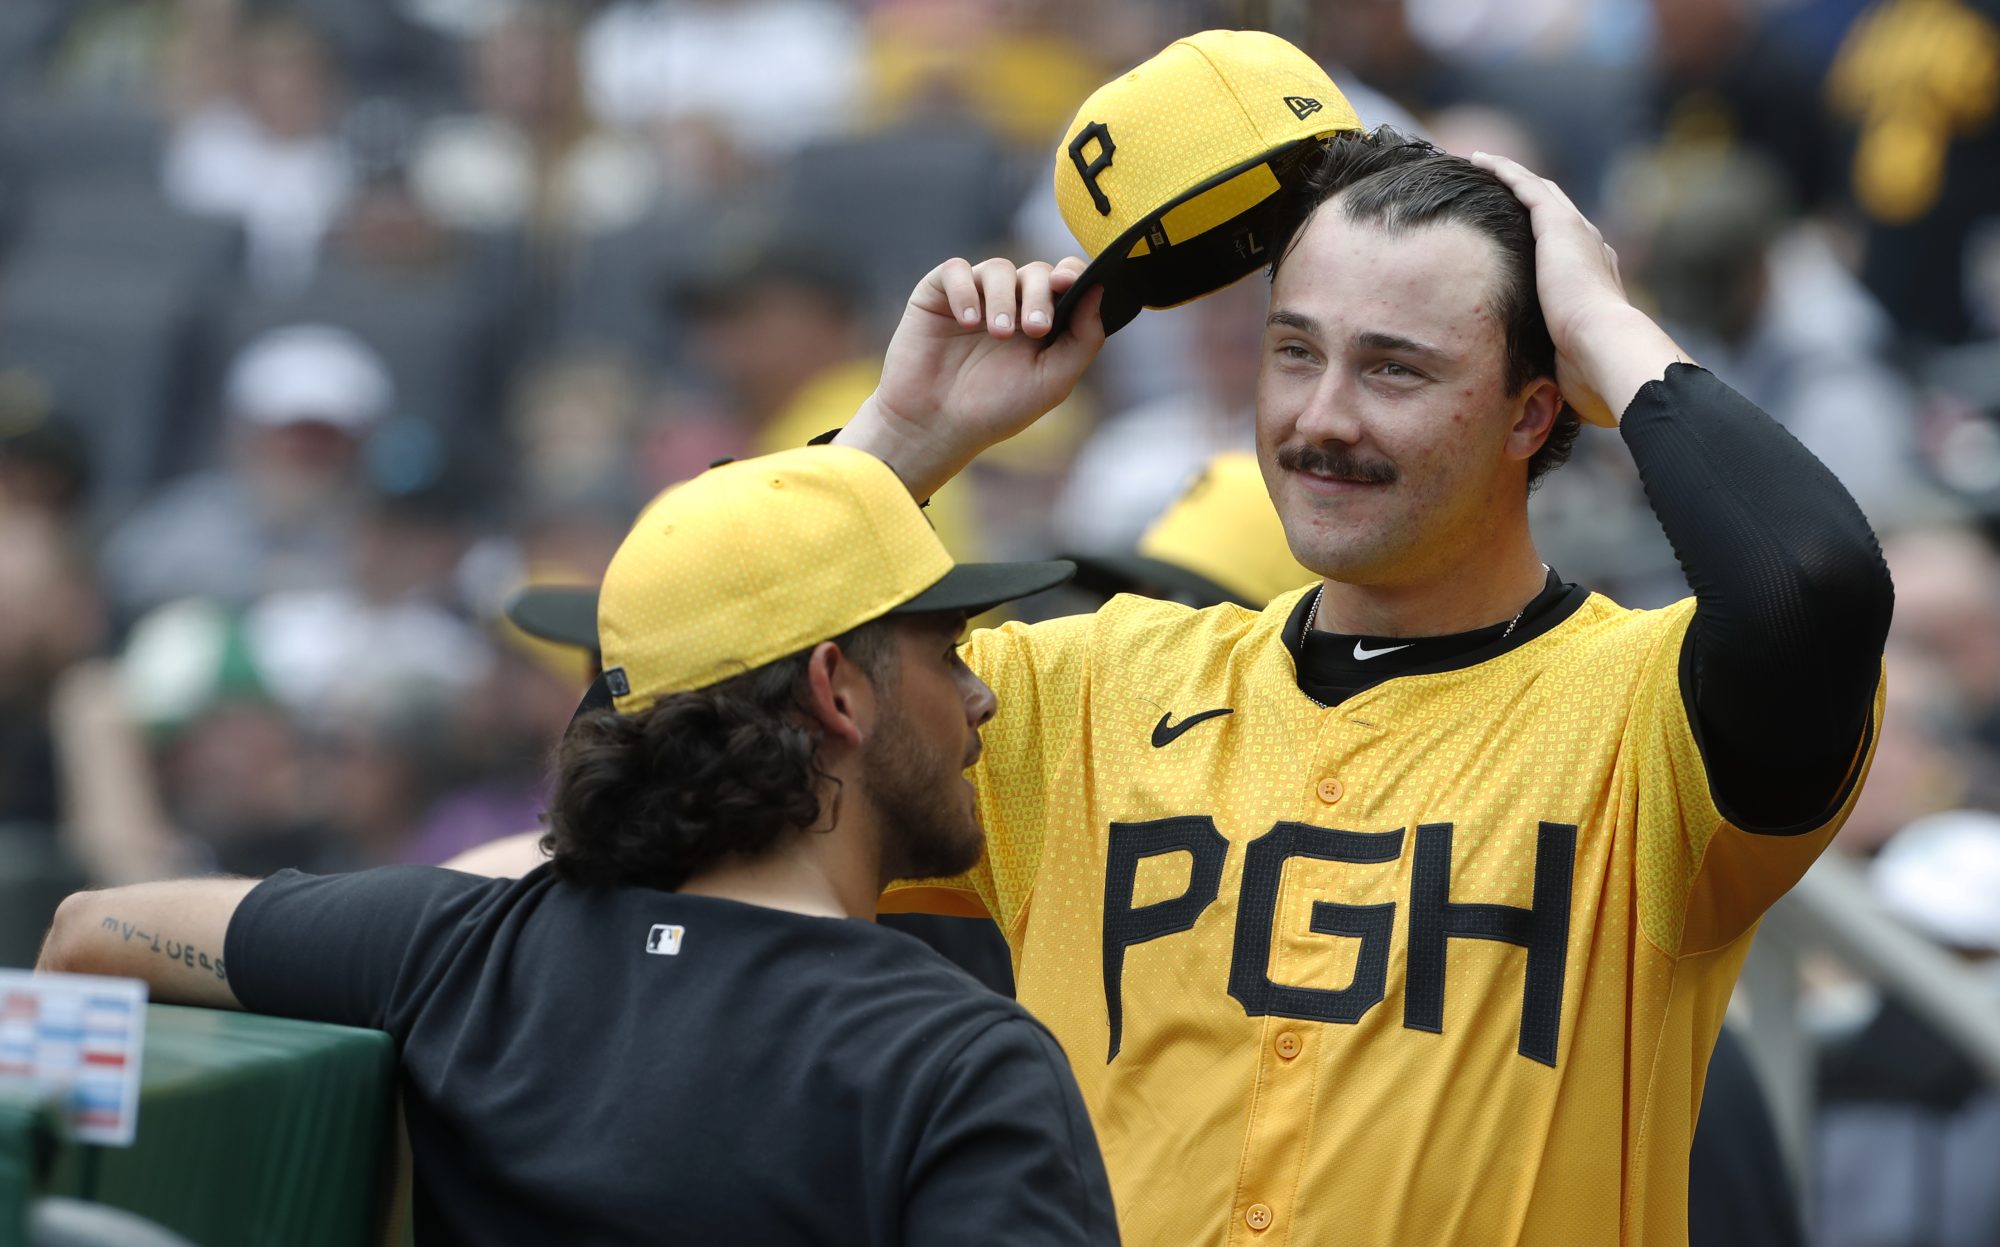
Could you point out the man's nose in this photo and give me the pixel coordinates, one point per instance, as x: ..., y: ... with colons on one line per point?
x: 980, y: 703
x: 1328, y: 415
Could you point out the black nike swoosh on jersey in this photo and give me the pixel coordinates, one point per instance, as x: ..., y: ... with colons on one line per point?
x: 1165, y: 733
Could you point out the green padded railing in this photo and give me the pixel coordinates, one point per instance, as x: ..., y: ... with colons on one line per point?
x: 252, y: 1131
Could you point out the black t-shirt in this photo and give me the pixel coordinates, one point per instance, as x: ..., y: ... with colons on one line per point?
x: 629, y: 1065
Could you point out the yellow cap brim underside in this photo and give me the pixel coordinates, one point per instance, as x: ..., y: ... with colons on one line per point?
x: 1215, y: 206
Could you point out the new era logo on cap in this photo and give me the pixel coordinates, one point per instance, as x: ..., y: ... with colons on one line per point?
x: 1302, y: 106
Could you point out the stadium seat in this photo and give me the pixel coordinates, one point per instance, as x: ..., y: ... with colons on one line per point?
x: 382, y: 52
x: 899, y: 201
x: 28, y: 29
x: 131, y: 227
x: 613, y: 295
x: 111, y: 340
x: 49, y: 141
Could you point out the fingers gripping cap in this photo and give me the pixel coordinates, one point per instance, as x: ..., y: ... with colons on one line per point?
x: 1169, y: 176
x: 758, y: 559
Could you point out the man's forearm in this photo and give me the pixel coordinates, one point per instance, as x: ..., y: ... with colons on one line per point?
x: 1624, y: 351
x: 169, y: 934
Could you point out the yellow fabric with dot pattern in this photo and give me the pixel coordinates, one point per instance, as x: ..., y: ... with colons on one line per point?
x: 1207, y: 104
x: 1290, y: 1063
x: 730, y: 570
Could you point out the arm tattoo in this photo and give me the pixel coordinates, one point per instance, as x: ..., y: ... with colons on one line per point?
x: 173, y: 950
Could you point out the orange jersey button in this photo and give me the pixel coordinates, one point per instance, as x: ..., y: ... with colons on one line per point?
x: 1288, y: 1045
x: 1329, y: 790
x: 1258, y: 1216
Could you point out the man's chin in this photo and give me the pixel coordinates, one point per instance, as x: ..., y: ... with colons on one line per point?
x: 946, y: 847
x: 942, y: 864
x: 1347, y: 556
x: 966, y: 849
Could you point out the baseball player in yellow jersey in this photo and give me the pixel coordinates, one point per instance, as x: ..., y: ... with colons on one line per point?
x: 1403, y: 911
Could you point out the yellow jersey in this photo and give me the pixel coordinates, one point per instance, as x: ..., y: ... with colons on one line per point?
x: 1442, y: 963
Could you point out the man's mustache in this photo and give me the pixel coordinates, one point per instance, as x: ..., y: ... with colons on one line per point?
x: 1336, y: 461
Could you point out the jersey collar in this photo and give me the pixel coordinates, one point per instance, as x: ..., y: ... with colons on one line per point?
x: 1328, y: 671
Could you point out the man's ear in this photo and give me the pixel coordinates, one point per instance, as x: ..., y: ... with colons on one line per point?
x: 839, y: 696
x: 1540, y: 403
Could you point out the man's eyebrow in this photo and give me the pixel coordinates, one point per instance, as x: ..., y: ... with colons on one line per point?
x: 1293, y: 320
x: 1371, y: 340
x: 1376, y: 341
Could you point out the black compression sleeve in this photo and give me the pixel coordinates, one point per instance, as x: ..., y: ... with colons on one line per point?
x: 1792, y: 597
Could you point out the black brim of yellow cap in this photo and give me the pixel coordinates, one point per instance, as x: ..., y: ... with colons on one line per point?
x: 565, y: 614
x: 975, y: 587
x: 968, y: 587
x: 1167, y: 272
x: 1135, y: 573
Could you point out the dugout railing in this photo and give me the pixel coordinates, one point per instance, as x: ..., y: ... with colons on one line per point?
x: 1833, y: 910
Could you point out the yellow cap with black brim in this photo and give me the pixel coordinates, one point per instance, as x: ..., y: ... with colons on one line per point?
x: 1170, y: 175
x: 759, y: 559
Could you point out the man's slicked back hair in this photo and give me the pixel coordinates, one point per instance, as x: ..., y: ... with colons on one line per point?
x: 1385, y: 179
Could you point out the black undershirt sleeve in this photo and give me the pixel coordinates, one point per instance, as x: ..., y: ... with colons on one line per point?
x: 1792, y: 598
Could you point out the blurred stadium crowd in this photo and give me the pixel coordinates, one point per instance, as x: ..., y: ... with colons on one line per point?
x: 324, y: 326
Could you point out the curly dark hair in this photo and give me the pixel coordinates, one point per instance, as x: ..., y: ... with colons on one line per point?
x: 656, y: 797
x: 1401, y: 183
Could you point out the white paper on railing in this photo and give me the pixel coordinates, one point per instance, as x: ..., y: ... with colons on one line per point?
x: 79, y: 1037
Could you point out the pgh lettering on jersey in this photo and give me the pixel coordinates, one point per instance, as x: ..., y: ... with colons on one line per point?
x: 1438, y: 964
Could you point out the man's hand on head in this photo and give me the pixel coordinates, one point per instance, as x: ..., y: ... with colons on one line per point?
x: 1606, y: 349
x: 972, y: 364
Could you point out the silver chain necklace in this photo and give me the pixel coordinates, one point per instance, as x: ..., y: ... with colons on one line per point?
x: 1312, y: 617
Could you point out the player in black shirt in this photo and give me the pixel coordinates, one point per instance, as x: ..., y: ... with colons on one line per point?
x: 684, y: 1029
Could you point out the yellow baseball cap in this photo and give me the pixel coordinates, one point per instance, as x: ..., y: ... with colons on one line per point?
x: 1220, y: 542
x: 759, y: 559
x: 1169, y: 176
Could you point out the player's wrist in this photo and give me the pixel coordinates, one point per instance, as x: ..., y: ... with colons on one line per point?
x: 1622, y: 350
x: 912, y: 452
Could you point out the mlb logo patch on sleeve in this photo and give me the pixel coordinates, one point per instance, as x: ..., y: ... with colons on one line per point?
x: 664, y: 940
